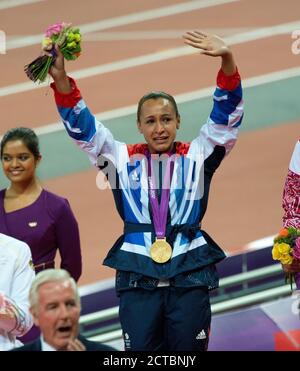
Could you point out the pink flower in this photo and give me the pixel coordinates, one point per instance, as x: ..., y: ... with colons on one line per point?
x: 55, y: 29
x: 296, y: 249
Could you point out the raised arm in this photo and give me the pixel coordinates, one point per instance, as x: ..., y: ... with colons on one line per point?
x: 81, y: 125
x: 227, y: 113
x: 59, y: 74
x: 214, y: 46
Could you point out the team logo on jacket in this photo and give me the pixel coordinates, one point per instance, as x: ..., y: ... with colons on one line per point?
x: 135, y: 176
x: 127, y: 341
x: 201, y: 335
x: 32, y: 224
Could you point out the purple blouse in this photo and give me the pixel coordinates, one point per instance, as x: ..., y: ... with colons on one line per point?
x: 46, y: 225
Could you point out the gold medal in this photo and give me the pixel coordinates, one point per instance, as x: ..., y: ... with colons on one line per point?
x: 161, y: 251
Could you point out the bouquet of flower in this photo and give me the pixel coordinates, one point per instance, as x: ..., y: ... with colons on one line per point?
x: 67, y: 38
x: 286, y: 249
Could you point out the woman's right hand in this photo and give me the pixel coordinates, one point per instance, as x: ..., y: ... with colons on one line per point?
x: 57, y: 70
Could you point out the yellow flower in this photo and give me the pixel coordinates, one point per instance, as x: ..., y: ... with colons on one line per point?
x: 70, y: 37
x: 77, y: 37
x: 282, y: 252
x: 275, y: 252
x: 284, y: 248
x: 46, y: 41
x: 71, y: 45
x: 286, y: 259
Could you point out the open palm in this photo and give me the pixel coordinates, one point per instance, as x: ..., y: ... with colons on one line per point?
x: 209, y: 44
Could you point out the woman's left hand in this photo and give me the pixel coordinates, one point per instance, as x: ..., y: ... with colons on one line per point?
x: 209, y: 44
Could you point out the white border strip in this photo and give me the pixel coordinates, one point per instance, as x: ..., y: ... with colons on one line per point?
x: 181, y: 98
x: 155, y: 57
x: 5, y: 4
x: 98, y: 286
x: 260, y: 244
x: 124, y: 20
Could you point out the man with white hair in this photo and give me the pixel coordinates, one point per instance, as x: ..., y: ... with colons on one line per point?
x: 55, y: 307
x: 16, y: 276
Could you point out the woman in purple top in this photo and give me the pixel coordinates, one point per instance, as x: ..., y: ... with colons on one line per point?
x: 30, y: 213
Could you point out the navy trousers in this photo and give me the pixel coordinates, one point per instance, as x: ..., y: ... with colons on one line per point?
x: 165, y: 319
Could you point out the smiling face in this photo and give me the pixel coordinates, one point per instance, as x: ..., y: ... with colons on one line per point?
x: 57, y: 313
x: 158, y: 123
x: 18, y: 162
